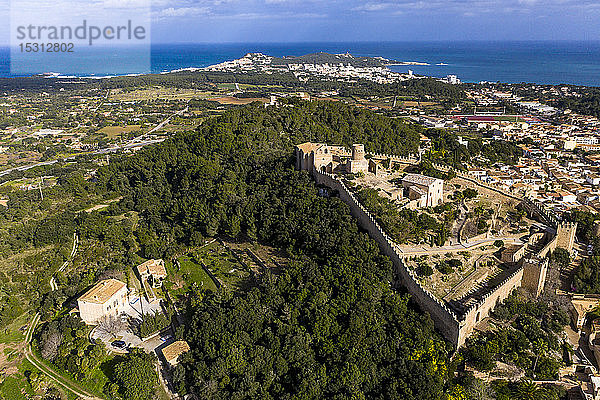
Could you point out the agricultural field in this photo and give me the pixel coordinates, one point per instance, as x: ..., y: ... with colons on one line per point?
x: 113, y: 132
x: 162, y: 93
x: 221, y: 263
x: 239, y: 101
x: 23, y: 157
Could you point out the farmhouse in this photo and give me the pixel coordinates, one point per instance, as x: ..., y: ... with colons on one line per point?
x: 107, y: 298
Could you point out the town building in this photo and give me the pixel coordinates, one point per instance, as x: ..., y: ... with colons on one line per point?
x: 107, y: 298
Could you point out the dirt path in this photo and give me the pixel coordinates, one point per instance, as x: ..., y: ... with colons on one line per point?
x: 53, y: 284
x: 53, y: 375
x: 35, y: 361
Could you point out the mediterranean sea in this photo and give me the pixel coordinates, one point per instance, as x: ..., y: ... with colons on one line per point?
x: 544, y: 62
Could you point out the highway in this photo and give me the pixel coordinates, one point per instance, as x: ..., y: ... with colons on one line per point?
x: 26, y: 167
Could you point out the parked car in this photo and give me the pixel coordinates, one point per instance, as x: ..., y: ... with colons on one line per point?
x: 166, y: 337
x: 119, y: 344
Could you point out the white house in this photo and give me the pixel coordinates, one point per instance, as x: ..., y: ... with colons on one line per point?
x: 107, y: 298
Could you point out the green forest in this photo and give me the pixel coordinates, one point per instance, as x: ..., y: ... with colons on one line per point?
x: 328, y: 326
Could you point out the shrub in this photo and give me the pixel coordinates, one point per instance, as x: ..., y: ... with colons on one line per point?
x: 425, y: 270
x: 153, y: 323
x: 445, y: 268
x: 469, y: 193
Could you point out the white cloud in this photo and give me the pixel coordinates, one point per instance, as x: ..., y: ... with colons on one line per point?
x: 374, y: 7
x: 173, y: 12
x: 473, y: 7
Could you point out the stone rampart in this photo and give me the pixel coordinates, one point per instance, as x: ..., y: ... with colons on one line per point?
x: 482, y: 309
x: 538, y: 209
x: 444, y: 318
x: 455, y: 328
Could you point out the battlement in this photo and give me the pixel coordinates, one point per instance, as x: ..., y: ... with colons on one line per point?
x: 455, y: 326
x: 444, y: 317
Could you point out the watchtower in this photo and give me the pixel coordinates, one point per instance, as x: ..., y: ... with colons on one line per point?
x: 565, y: 235
x: 358, y: 152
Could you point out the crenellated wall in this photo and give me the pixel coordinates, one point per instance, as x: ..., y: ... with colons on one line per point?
x: 442, y: 315
x: 455, y: 328
x: 444, y: 318
x: 482, y: 309
x: 536, y: 208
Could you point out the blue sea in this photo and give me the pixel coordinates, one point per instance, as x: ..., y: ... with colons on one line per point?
x: 536, y: 62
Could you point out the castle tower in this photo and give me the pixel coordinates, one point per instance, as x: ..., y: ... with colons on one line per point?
x: 565, y: 235
x: 358, y: 162
x: 358, y: 152
x: 534, y: 275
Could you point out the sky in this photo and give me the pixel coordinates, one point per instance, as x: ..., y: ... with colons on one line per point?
x: 210, y: 21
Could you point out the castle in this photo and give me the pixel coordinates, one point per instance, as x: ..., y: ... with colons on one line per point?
x: 455, y: 320
x: 421, y: 190
x: 326, y: 158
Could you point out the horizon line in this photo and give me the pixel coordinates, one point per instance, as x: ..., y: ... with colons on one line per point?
x: 8, y: 45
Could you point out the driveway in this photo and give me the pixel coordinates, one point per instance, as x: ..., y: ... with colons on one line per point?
x: 128, y: 334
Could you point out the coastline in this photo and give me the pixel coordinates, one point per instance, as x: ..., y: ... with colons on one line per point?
x: 571, y: 63
x: 403, y: 63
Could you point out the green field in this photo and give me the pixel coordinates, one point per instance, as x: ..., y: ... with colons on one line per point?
x: 10, y: 388
x: 223, y: 264
x: 115, y: 131
x: 189, y: 273
x: 507, y: 118
x: 12, y: 333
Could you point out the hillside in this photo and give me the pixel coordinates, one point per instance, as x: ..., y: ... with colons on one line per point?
x: 327, y: 58
x: 328, y: 325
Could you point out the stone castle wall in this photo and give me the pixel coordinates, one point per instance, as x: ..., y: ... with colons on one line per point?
x: 490, y: 300
x: 537, y: 209
x: 455, y: 328
x: 444, y: 318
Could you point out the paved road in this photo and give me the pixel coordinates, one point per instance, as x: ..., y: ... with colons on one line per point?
x: 26, y: 167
